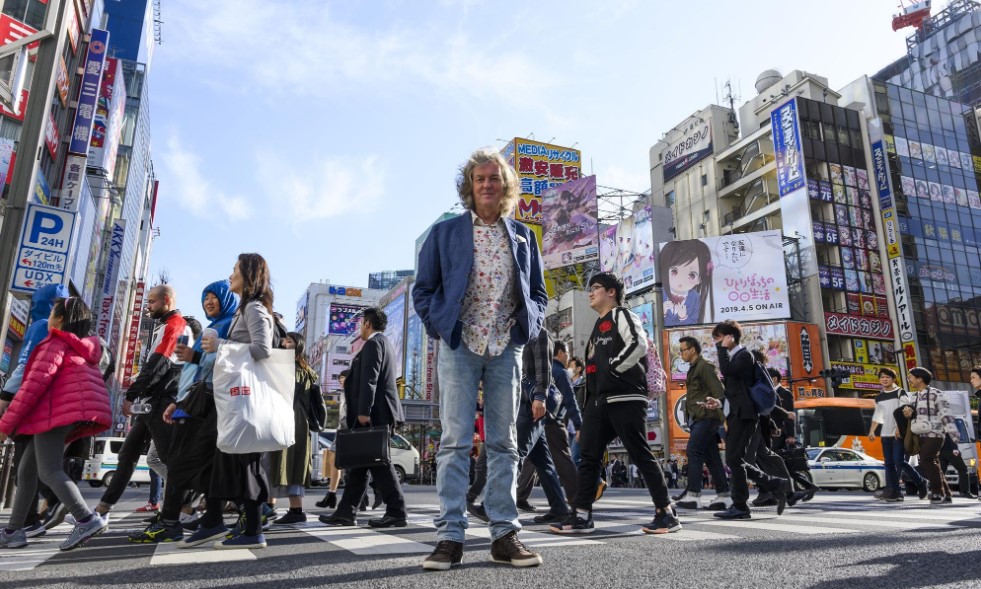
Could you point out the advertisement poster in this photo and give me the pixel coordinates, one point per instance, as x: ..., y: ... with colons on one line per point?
x: 787, y: 148
x: 395, y: 332
x: 88, y: 96
x: 570, y: 230
x: 656, y: 378
x: 343, y: 319
x: 540, y: 166
x: 769, y: 338
x: 627, y: 250
x: 711, y: 279
x: 414, y: 357
x: 695, y: 146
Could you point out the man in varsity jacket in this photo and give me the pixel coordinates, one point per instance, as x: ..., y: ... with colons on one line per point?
x: 616, y: 406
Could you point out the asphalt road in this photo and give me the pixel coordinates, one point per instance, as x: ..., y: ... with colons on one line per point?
x: 843, y: 539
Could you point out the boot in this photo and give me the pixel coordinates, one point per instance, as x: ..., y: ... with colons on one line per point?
x: 329, y: 500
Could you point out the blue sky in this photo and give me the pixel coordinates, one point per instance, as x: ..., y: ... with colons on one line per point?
x: 326, y: 135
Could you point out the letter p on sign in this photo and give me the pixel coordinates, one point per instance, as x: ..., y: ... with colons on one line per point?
x: 45, y: 223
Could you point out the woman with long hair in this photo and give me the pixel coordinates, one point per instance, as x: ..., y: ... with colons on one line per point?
x: 685, y: 270
x: 289, y: 468
x: 240, y: 477
x: 62, y: 399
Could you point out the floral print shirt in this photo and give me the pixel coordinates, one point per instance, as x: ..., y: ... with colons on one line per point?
x: 932, y: 406
x: 489, y: 303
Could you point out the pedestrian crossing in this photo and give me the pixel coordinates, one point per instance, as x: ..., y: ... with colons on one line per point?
x: 616, y: 520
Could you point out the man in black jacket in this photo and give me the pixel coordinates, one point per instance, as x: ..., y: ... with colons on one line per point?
x: 742, y: 424
x: 156, y: 387
x: 372, y: 399
x: 616, y: 406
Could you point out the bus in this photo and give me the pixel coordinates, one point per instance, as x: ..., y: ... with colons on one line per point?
x: 843, y: 422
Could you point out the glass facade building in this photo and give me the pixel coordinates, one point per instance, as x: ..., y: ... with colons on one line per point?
x: 933, y: 148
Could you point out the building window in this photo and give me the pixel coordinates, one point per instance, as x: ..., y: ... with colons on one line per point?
x: 705, y: 180
x: 669, y: 198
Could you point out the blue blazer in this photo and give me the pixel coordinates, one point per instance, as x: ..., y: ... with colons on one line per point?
x: 441, y: 282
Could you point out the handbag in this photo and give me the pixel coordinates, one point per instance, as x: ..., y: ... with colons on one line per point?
x: 254, y: 399
x: 316, y: 409
x: 921, y: 426
x: 362, y: 447
x: 199, y: 400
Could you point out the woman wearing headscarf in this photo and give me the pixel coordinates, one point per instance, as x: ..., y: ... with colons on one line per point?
x: 194, y: 419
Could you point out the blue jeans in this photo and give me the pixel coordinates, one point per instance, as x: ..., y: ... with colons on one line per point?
x: 156, y: 486
x: 533, y: 446
x: 460, y: 374
x: 704, y: 449
x: 893, y: 454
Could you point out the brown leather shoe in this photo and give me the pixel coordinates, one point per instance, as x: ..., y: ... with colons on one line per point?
x: 447, y: 555
x: 509, y: 550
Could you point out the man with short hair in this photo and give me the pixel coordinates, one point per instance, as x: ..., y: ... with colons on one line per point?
x: 743, y: 438
x: 156, y: 385
x: 616, y: 406
x: 702, y: 382
x: 887, y: 402
x: 372, y: 399
x: 480, y: 291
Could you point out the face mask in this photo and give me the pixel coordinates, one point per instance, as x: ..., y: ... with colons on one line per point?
x: 571, y: 372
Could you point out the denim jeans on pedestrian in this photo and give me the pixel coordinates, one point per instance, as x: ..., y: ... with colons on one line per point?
x: 703, y: 449
x: 461, y: 372
x: 574, y: 448
x: 533, y: 447
x: 893, y: 455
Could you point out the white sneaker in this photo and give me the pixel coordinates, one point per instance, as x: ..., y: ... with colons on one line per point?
x: 82, y: 533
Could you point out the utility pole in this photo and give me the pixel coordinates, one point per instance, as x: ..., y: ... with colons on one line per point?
x: 31, y: 142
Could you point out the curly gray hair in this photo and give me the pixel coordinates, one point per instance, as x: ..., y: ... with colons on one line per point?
x: 464, y: 180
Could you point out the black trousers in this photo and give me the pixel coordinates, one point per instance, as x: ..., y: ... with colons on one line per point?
x: 145, y: 428
x: 385, y: 481
x: 191, y: 458
x: 479, y: 476
x: 601, y: 423
x: 947, y: 458
x: 557, y: 439
x: 743, y: 442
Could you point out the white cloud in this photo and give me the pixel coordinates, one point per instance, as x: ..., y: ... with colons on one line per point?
x: 290, y: 48
x: 327, y: 187
x: 193, y: 191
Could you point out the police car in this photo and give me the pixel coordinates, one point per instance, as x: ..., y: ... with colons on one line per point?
x: 834, y: 468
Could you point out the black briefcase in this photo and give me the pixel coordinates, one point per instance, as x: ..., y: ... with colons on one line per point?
x: 362, y: 447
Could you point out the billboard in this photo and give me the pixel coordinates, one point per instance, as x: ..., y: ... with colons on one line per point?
x: 769, y: 338
x: 569, y: 221
x: 107, y: 294
x: 395, y: 332
x: 656, y: 378
x: 729, y: 277
x: 108, y: 121
x: 787, y: 147
x: 344, y: 318
x: 539, y: 166
x: 300, y: 324
x: 415, y: 357
x: 695, y: 146
x: 88, y: 96
x: 627, y: 250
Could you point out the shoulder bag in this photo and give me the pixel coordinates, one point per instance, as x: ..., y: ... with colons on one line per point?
x: 921, y: 426
x: 362, y: 447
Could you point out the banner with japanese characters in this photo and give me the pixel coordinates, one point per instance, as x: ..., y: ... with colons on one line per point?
x: 627, y: 250
x: 539, y: 166
x: 707, y: 280
x: 569, y: 220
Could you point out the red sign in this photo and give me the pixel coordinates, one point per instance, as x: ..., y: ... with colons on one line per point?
x: 51, y: 136
x: 858, y: 326
x: 62, y: 81
x: 12, y: 30
x: 132, y: 340
x: 909, y: 353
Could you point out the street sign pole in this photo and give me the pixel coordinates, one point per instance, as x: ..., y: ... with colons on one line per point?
x: 30, y: 145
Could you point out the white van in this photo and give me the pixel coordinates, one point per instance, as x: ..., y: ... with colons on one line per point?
x: 101, y: 467
x: 960, y: 408
x: 404, y: 456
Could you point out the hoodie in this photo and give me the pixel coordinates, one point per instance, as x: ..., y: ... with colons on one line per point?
x: 200, y: 367
x: 41, y: 303
x: 62, y: 386
x: 158, y: 376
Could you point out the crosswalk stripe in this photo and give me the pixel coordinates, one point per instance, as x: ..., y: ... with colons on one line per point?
x: 168, y: 553
x: 35, y: 553
x: 764, y: 524
x: 685, y: 535
x: 366, y: 541
x: 884, y: 523
x: 932, y: 515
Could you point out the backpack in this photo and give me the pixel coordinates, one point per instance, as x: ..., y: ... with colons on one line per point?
x: 762, y: 393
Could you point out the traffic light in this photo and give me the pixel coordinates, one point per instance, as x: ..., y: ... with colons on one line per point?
x: 835, y: 375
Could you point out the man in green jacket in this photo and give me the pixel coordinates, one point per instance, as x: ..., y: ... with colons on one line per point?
x: 703, y: 424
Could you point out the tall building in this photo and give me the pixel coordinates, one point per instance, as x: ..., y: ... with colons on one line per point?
x: 388, y: 279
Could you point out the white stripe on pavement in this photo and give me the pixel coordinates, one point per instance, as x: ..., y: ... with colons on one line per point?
x: 764, y: 524
x: 883, y: 522
x: 169, y: 553
x: 35, y: 553
x: 684, y: 535
x: 367, y: 541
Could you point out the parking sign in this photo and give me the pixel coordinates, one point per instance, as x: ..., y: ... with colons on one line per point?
x: 42, y: 257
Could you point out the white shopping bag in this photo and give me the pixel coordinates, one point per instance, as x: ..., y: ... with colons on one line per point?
x: 254, y: 399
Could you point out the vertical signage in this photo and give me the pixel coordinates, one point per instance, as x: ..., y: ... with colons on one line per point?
x: 108, y: 291
x: 787, y: 148
x: 133, y: 335
x: 88, y: 96
x: 897, y: 267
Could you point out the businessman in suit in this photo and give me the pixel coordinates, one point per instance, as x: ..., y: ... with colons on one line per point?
x: 742, y: 424
x: 372, y: 399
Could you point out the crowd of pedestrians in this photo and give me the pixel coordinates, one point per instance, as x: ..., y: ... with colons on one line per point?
x: 541, y: 414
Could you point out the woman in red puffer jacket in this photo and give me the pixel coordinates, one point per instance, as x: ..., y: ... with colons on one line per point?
x: 62, y: 398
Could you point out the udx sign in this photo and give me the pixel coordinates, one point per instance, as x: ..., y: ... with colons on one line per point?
x: 42, y: 257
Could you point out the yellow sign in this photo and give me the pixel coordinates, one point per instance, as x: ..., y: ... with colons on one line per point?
x: 862, y: 377
x: 540, y: 166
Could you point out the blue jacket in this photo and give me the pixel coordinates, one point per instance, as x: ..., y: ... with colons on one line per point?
x: 444, y: 273
x: 569, y: 409
x: 200, y: 368
x: 42, y: 301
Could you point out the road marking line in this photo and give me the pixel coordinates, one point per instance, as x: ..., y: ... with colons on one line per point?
x: 28, y: 558
x: 367, y: 542
x: 904, y: 525
x: 168, y: 553
x: 763, y: 524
